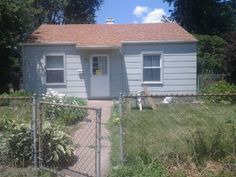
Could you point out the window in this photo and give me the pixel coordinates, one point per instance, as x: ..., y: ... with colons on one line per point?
x: 55, y: 69
x: 152, y: 68
x: 99, y: 64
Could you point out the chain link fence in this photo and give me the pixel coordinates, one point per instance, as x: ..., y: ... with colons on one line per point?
x: 182, y: 132
x: 69, y: 143
x: 205, y: 80
x: 15, y: 136
x: 47, y: 139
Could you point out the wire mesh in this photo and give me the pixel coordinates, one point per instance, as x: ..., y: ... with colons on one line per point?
x: 180, y: 129
x: 16, y: 136
x: 205, y: 80
x: 68, y: 139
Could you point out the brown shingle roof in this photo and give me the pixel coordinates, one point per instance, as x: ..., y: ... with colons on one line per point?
x: 109, y: 35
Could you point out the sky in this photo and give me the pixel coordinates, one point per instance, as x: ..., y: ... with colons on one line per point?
x: 132, y: 11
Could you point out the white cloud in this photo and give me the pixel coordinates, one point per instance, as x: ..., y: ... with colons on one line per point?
x: 140, y: 10
x: 154, y: 16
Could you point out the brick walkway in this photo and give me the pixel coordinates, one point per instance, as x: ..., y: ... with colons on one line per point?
x: 106, y: 145
x: 85, y: 140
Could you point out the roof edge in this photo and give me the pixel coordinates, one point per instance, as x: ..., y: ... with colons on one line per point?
x: 98, y: 47
x: 151, y: 42
x: 47, y: 43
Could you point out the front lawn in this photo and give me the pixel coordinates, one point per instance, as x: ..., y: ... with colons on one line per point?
x: 186, y: 139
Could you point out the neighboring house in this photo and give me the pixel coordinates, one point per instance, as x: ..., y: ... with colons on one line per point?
x: 100, y: 61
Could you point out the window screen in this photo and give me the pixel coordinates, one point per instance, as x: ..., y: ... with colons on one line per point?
x: 151, y: 68
x: 54, y: 69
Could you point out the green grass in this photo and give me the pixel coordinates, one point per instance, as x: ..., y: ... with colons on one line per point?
x: 139, y: 169
x: 171, y: 128
x: 113, y: 126
x: 14, y: 112
x: 180, y: 134
x: 24, y: 172
x: 136, y: 168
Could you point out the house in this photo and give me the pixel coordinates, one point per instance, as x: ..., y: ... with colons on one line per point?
x: 100, y: 61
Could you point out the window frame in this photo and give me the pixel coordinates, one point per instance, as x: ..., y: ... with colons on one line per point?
x: 160, y: 54
x: 99, y: 55
x: 53, y: 69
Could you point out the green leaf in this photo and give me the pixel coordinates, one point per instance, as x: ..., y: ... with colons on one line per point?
x: 61, y: 148
x: 55, y: 156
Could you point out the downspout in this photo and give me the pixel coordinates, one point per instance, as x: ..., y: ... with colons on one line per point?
x: 123, y: 68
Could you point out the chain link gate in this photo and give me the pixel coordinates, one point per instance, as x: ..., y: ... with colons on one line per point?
x: 74, y: 149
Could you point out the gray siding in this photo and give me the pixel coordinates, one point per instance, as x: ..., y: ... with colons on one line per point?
x: 77, y: 83
x: 178, y: 72
x: 179, y: 69
x: 34, y: 70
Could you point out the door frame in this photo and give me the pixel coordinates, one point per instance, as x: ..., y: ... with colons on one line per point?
x: 108, y: 74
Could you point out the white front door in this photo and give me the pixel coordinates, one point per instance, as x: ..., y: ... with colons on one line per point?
x: 100, y: 81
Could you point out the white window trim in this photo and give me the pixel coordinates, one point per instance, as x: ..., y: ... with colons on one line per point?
x: 61, y: 69
x: 161, y: 67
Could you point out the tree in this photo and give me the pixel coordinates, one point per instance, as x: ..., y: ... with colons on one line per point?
x: 67, y: 11
x: 51, y: 11
x: 82, y: 11
x: 230, y: 56
x: 16, y: 18
x: 211, y: 20
x: 210, y: 54
x: 204, y: 16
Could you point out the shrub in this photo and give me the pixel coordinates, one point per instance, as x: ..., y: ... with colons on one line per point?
x: 57, y: 147
x: 115, y: 117
x: 72, y: 115
x: 16, y: 146
x: 63, y: 114
x: 210, y: 53
x: 7, y: 123
x: 221, y: 87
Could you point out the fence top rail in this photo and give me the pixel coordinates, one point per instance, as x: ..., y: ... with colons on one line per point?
x: 70, y: 106
x: 15, y: 97
x: 177, y: 95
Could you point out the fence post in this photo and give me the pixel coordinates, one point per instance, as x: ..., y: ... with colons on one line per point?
x: 98, y: 142
x: 121, y: 129
x: 40, y: 139
x: 34, y: 129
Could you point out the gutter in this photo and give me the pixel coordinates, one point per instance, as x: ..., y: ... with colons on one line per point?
x: 158, y: 41
x: 87, y: 47
x: 73, y: 43
x: 98, y: 47
x: 47, y: 44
